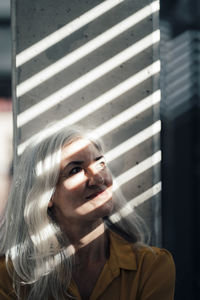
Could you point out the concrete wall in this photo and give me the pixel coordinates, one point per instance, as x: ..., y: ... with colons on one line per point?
x: 90, y: 62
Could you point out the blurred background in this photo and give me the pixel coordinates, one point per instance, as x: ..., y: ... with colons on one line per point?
x: 5, y: 101
x: 180, y: 139
x: 177, y: 220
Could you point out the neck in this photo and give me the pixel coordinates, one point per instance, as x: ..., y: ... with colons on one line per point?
x: 93, y: 247
x: 90, y: 242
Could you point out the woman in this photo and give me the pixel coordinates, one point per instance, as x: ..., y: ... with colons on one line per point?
x: 68, y: 234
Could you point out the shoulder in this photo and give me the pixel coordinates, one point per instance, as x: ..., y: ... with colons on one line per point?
x: 6, y: 288
x: 144, y: 257
x: 157, y: 272
x: 3, y: 269
x: 150, y: 256
x: 154, y: 260
x: 153, y: 269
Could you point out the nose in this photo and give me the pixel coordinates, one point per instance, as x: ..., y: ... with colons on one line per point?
x: 95, y: 179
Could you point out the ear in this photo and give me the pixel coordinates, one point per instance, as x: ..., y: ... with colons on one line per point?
x: 50, y: 204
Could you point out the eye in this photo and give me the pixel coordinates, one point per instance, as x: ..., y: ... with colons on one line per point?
x: 75, y: 170
x: 101, y: 164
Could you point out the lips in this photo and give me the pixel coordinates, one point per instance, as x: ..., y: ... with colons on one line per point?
x: 95, y: 194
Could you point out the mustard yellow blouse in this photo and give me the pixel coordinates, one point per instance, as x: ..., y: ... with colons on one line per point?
x: 129, y: 274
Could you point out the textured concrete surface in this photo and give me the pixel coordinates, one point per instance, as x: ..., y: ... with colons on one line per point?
x: 41, y: 98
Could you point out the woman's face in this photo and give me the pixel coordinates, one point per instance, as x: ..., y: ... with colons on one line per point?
x: 84, y: 189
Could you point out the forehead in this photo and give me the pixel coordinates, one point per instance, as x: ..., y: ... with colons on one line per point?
x: 79, y: 150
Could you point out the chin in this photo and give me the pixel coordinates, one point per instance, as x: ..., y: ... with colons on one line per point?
x: 105, y: 210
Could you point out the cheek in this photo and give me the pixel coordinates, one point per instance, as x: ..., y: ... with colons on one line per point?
x: 108, y: 178
x: 74, y: 182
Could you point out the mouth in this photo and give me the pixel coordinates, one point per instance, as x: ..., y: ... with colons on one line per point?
x: 95, y: 194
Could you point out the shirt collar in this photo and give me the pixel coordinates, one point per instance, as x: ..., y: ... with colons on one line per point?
x: 122, y: 253
x: 121, y: 257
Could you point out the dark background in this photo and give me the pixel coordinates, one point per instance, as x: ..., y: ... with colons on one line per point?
x: 180, y: 140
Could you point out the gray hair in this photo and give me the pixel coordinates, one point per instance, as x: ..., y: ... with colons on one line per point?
x: 41, y: 256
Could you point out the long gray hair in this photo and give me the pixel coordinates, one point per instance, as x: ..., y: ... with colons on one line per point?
x: 40, y: 255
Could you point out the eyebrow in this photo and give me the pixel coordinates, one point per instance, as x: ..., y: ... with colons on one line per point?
x: 99, y: 157
x: 75, y: 162
x: 80, y: 162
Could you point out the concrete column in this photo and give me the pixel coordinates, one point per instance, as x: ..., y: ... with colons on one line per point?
x: 93, y: 63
